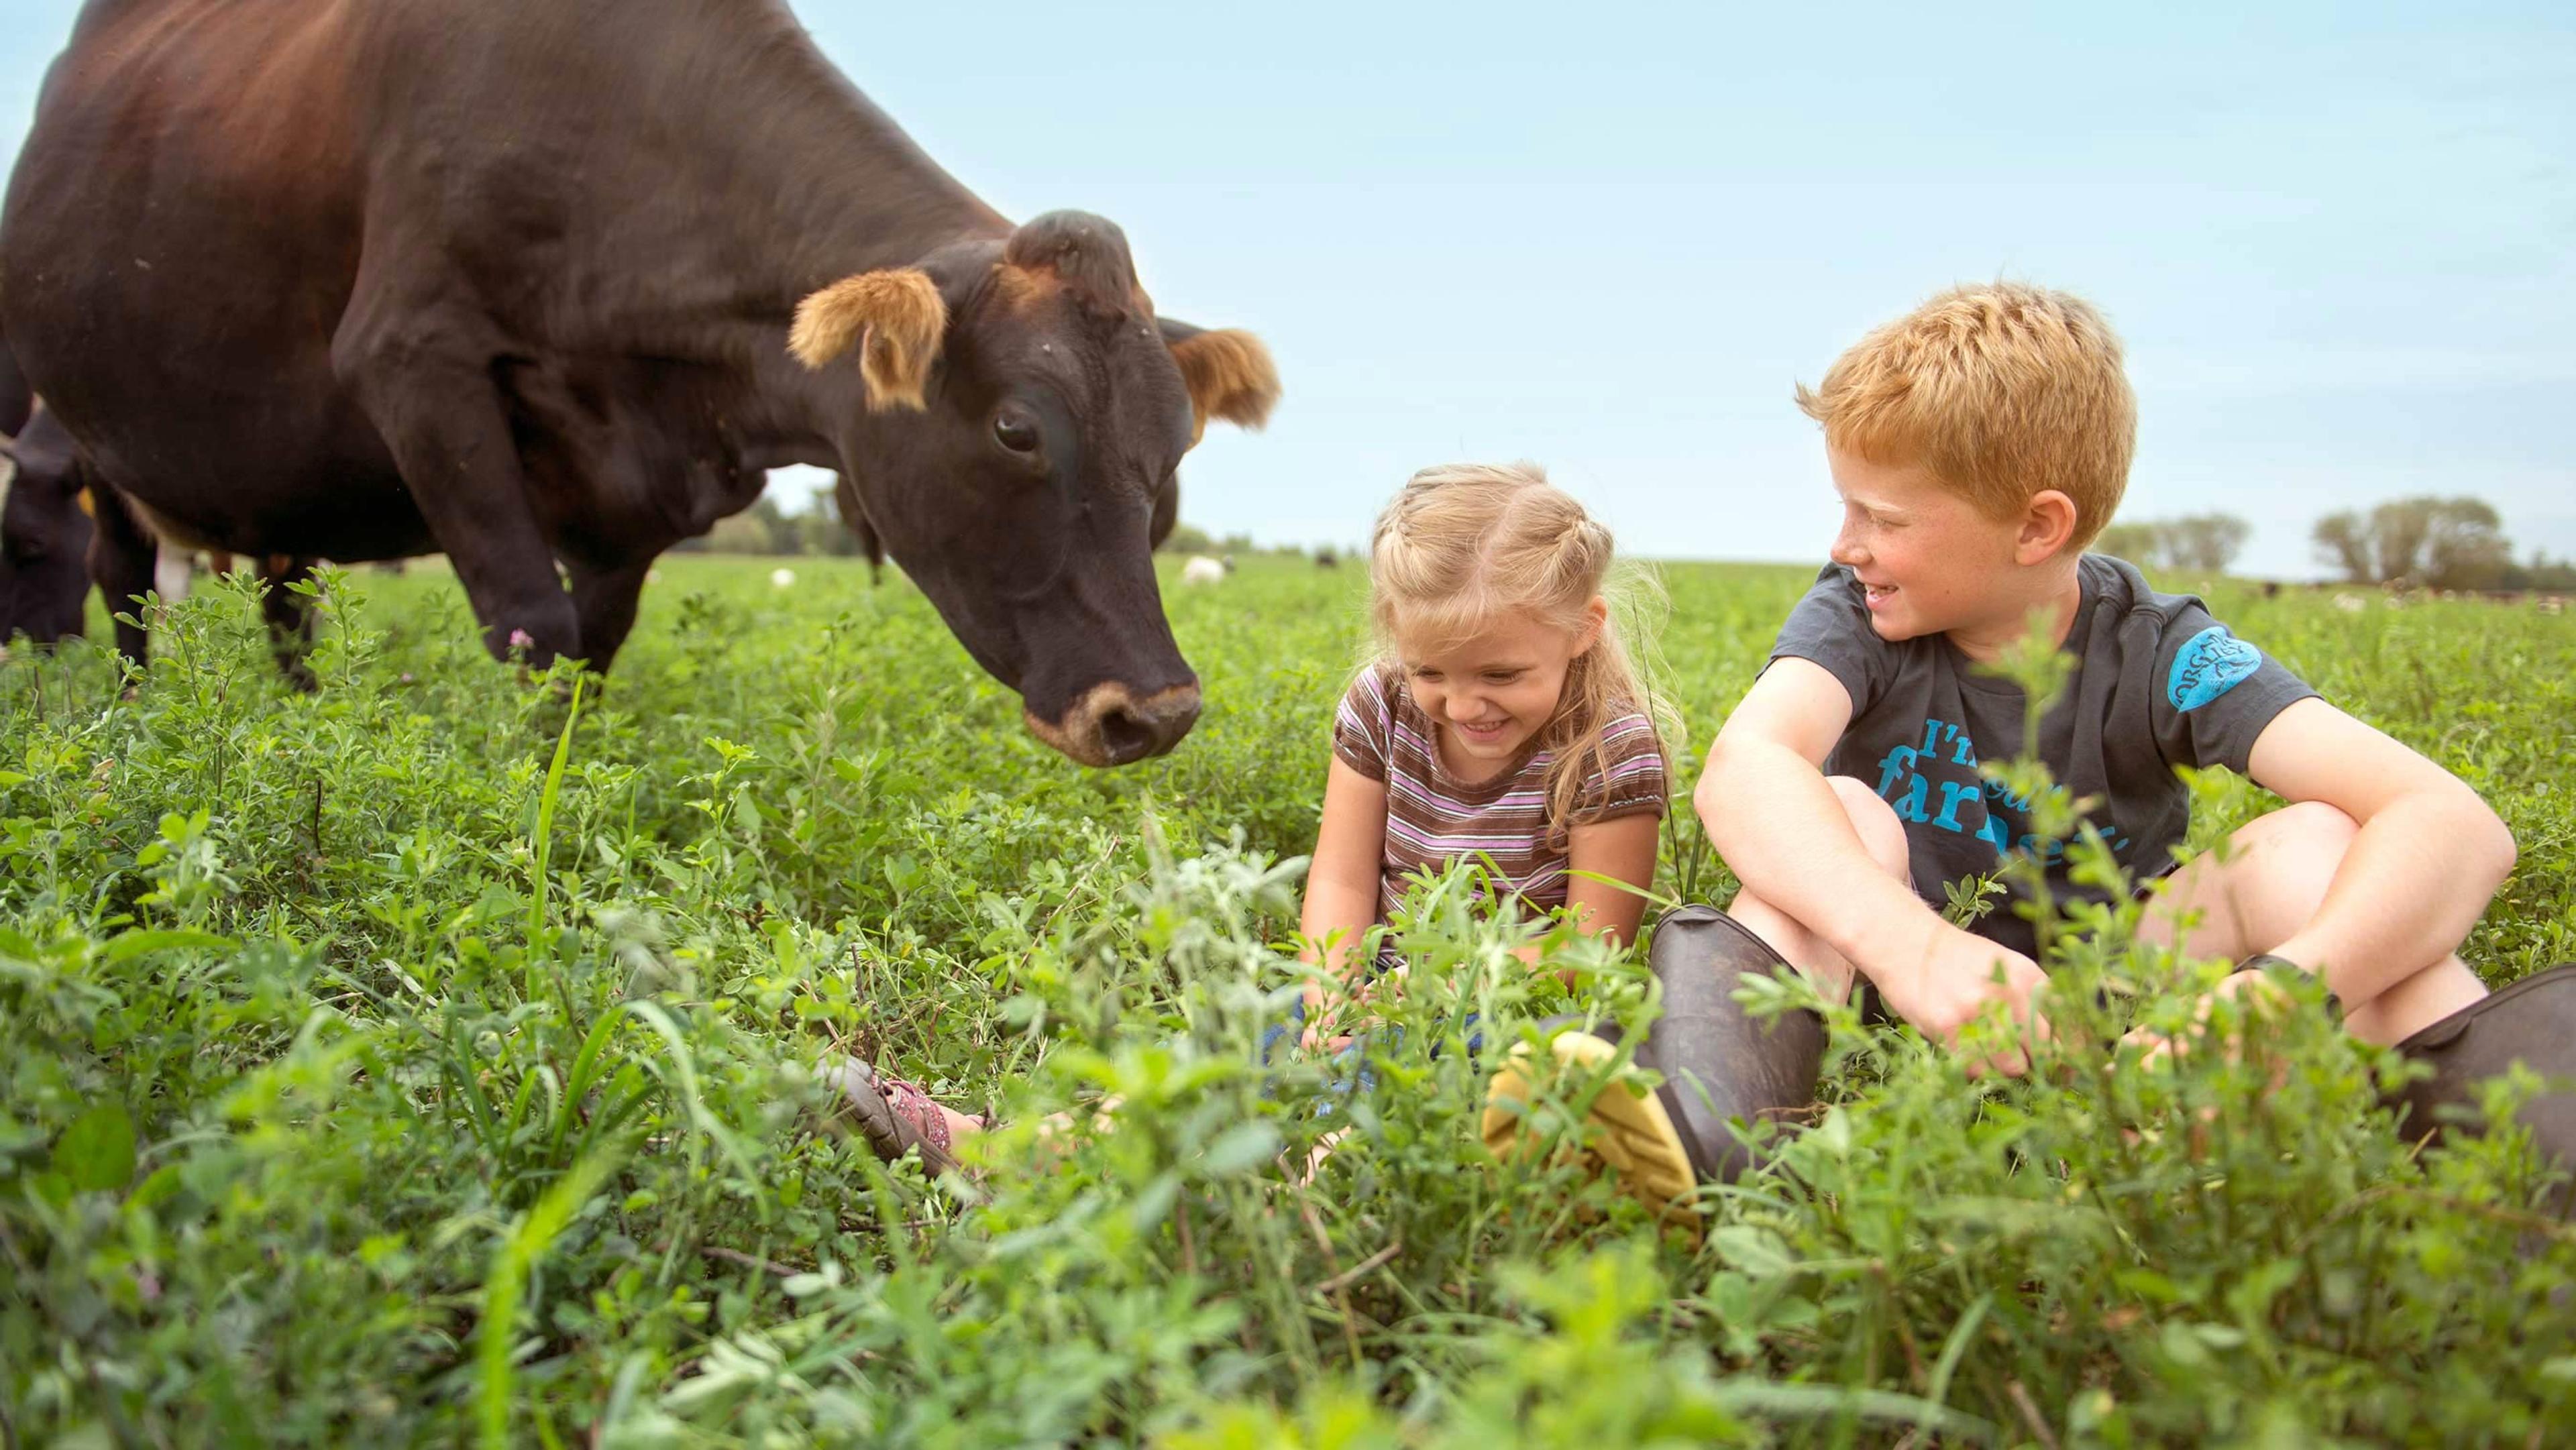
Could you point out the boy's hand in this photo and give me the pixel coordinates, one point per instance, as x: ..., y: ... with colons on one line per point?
x: 1952, y: 980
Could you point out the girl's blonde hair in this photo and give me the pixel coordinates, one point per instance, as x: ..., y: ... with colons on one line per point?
x: 1466, y: 544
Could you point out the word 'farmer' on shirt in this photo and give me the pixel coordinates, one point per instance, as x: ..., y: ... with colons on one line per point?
x: 1906, y: 782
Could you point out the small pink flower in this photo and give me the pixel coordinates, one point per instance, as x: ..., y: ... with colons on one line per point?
x: 521, y: 639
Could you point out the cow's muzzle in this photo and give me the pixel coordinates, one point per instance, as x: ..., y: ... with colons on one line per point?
x: 1109, y: 725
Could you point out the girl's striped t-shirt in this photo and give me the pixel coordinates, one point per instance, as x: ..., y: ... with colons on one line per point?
x: 1433, y: 818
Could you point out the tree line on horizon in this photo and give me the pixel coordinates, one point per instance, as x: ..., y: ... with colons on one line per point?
x: 2424, y: 542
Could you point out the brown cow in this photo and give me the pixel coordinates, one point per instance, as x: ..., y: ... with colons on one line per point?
x: 517, y: 282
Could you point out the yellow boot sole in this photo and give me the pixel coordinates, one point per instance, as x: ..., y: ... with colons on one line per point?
x: 1634, y: 1136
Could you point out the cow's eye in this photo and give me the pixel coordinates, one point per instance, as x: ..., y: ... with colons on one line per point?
x: 1016, y: 431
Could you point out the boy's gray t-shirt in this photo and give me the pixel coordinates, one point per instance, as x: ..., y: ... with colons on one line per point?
x: 2158, y: 683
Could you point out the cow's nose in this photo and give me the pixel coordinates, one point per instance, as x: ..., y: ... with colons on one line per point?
x: 1130, y: 730
x: 1111, y: 726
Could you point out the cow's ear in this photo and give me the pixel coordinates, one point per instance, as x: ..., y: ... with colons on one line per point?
x: 895, y: 318
x: 1228, y: 373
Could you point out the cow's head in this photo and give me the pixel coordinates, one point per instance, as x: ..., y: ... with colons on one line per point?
x: 1015, y: 445
x: 44, y: 534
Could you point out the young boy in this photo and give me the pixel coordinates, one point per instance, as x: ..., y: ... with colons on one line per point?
x: 1978, y: 444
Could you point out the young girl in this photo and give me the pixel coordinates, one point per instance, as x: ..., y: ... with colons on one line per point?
x: 1503, y: 721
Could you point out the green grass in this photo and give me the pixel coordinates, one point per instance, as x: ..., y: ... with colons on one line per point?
x: 421, y: 1060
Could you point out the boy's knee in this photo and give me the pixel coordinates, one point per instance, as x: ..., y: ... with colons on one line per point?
x: 2310, y: 826
x: 1881, y: 833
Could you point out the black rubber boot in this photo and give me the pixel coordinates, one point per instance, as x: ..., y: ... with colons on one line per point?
x: 1719, y: 1065
x: 2532, y: 1021
x: 2262, y: 962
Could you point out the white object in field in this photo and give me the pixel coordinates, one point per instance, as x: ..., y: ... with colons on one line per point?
x: 171, y: 570
x: 782, y: 577
x: 2350, y: 603
x: 1202, y: 570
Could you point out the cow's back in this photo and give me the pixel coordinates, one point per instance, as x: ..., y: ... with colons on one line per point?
x: 180, y: 239
x: 231, y: 216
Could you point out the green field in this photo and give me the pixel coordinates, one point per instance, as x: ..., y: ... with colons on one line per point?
x: 373, y: 1073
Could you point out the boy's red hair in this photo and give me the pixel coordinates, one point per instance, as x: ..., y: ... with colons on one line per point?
x: 1999, y: 391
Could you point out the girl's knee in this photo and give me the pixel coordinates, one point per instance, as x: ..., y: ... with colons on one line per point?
x: 1881, y: 833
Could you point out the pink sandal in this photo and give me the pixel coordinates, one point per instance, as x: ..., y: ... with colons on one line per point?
x: 896, y: 1116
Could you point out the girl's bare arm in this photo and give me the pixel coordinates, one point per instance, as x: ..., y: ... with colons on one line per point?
x: 1623, y: 851
x: 1342, y: 880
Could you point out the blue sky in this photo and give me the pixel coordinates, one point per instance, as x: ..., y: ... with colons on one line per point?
x: 2340, y: 240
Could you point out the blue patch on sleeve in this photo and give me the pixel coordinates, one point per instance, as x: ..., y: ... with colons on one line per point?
x: 2212, y: 663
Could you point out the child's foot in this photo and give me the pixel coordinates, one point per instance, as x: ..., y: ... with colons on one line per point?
x: 897, y: 1117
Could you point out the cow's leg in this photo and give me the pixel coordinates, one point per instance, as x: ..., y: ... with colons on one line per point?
x: 854, y: 516
x: 289, y: 615
x: 427, y: 386
x: 605, y: 600
x: 874, y: 548
x: 121, y: 559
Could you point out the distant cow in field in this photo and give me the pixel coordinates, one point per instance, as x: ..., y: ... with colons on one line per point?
x: 44, y: 534
x: 559, y: 282
x: 61, y: 528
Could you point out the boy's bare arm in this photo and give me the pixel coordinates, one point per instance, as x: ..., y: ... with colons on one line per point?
x: 1779, y: 827
x: 2430, y: 855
